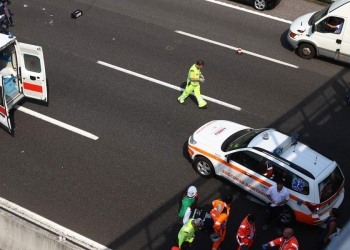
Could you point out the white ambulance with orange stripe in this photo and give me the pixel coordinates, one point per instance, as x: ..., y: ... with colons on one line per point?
x: 22, y: 72
x: 254, y: 159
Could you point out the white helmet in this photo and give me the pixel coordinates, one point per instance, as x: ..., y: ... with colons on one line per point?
x: 191, y: 191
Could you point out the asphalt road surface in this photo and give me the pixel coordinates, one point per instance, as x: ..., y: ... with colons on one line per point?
x: 122, y: 190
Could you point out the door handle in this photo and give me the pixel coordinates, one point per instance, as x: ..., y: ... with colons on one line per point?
x: 32, y: 78
x: 247, y: 174
x: 338, y: 41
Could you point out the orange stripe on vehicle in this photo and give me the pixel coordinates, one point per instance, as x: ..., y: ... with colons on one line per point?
x: 190, y: 152
x: 229, y: 165
x: 293, y: 197
x: 32, y: 87
x: 300, y: 216
x: 306, y: 218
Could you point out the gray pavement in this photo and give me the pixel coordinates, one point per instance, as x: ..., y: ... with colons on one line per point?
x: 123, y: 189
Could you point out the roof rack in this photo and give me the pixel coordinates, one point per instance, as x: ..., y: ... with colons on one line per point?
x: 292, y: 140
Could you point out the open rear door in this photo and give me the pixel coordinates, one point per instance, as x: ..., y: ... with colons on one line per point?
x: 4, y: 112
x: 32, y: 71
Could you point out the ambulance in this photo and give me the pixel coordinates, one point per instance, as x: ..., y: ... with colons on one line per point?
x: 255, y: 159
x: 323, y: 33
x: 22, y: 72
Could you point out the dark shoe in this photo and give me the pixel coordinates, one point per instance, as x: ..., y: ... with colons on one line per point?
x: 183, y: 103
x: 204, y: 107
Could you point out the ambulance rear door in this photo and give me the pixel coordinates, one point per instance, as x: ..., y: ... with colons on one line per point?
x: 32, y: 71
x: 4, y: 112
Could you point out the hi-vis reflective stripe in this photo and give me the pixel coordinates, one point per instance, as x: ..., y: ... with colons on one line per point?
x: 32, y: 87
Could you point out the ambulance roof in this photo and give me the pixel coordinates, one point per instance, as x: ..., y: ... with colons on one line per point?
x: 337, y: 4
x: 298, y: 154
x: 5, y: 40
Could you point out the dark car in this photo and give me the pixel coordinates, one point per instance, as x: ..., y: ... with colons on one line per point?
x: 262, y: 4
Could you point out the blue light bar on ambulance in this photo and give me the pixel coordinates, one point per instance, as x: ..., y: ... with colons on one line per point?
x: 292, y: 140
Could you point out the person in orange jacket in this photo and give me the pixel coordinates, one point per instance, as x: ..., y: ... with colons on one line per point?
x: 286, y: 242
x: 246, y: 232
x: 220, y: 214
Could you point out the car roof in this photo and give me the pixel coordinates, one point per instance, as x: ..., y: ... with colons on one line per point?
x: 298, y: 154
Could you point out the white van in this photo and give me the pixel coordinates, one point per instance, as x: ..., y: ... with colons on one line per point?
x: 323, y: 33
x: 22, y: 74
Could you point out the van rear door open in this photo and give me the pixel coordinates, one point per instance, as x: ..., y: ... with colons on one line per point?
x: 32, y: 71
x: 4, y: 112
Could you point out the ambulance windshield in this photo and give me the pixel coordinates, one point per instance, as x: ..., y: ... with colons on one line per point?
x: 241, y: 139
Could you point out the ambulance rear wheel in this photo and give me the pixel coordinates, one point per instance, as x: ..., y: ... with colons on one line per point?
x: 306, y: 51
x: 287, y: 216
x: 203, y: 167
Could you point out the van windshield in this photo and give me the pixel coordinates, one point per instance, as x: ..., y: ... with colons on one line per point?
x: 330, y: 185
x: 318, y: 15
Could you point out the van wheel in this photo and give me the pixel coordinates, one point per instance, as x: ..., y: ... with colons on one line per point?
x: 306, y: 51
x: 203, y: 167
x: 260, y: 4
x: 287, y: 216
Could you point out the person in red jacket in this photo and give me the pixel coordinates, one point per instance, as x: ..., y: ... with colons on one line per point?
x: 286, y: 242
x: 185, y: 246
x: 220, y: 214
x: 246, y: 233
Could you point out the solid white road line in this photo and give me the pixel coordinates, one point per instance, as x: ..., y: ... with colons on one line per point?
x: 165, y: 84
x: 234, y: 48
x: 249, y: 11
x: 56, y: 122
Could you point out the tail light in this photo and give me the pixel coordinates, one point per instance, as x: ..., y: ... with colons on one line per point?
x: 292, y: 35
x: 314, y: 208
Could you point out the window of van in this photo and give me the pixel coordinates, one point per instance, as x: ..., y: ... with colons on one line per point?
x: 32, y: 63
x: 330, y: 25
x: 291, y: 180
x: 330, y: 185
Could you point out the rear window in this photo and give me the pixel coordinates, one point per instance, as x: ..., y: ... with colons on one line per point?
x: 330, y: 185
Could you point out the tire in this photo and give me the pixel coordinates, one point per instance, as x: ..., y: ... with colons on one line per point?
x: 260, y: 5
x: 203, y: 167
x: 306, y: 51
x: 287, y: 216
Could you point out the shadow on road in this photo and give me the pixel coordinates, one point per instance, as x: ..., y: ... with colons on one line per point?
x: 325, y: 118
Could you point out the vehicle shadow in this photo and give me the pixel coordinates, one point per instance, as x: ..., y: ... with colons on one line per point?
x: 284, y: 42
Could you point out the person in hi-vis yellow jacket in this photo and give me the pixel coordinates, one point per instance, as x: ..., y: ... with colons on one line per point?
x: 194, y: 80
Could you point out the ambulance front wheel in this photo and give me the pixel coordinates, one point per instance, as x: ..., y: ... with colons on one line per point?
x: 203, y: 167
x: 306, y: 51
x: 287, y: 216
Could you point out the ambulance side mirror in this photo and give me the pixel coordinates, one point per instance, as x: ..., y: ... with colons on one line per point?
x: 228, y: 157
